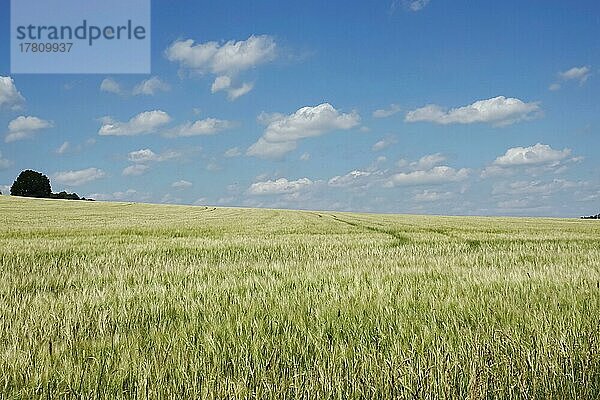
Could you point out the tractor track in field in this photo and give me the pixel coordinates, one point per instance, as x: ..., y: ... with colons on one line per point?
x: 396, y: 235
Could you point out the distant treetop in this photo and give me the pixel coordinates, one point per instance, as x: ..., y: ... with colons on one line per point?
x: 35, y: 184
x: 31, y: 184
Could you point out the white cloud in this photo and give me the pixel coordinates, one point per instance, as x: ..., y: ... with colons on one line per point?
x: 428, y: 161
x: 412, y: 5
x: 224, y: 60
x: 534, y: 187
x: 4, y: 163
x: 63, y: 148
x: 208, y: 126
x: 384, y: 113
x: 437, y: 175
x: 283, y: 132
x: 25, y: 127
x: 235, y: 93
x: 76, y: 178
x: 553, y: 87
x: 499, y: 111
x: 384, y: 143
x: 417, y: 5
x: 265, y: 149
x: 150, y: 86
x: 143, y: 155
x: 431, y: 196
x: 516, y: 204
x: 533, y: 155
x: 228, y: 58
x: 233, y: 152
x: 182, y: 184
x: 147, y: 155
x: 221, y: 83
x: 68, y: 147
x: 224, y: 83
x: 494, y: 170
x: 143, y: 123
x: 352, y: 178
x: 580, y: 74
x: 135, y: 170
x: 109, y: 85
x: 129, y: 194
x: 170, y: 199
x: 10, y: 97
x: 279, y: 186
x: 213, y: 166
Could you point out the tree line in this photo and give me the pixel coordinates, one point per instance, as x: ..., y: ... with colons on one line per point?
x: 31, y: 183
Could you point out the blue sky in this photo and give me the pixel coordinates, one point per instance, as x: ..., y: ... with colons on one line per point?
x: 392, y: 106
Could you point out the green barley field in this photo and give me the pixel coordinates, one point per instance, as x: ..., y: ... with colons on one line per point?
x: 119, y: 300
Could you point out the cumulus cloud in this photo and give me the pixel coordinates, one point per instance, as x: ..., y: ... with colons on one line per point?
x: 80, y: 177
x: 416, y: 5
x: 109, y: 85
x: 182, y: 184
x: 228, y: 58
x: 224, y: 60
x: 387, y: 112
x: 25, y: 127
x: 554, y: 86
x: 220, y: 83
x: 150, y: 86
x: 536, y: 187
x: 265, y: 149
x: 143, y: 123
x: 516, y: 204
x: 4, y: 163
x: 234, y: 93
x: 147, y: 155
x: 428, y: 161
x: 10, y: 97
x: 233, y: 152
x: 224, y: 83
x: 352, y: 178
x: 432, y: 196
x: 283, y: 132
x: 208, y: 126
x: 279, y: 186
x: 434, y: 176
x: 127, y: 195
x: 498, y: 111
x: 384, y: 143
x: 143, y: 155
x: 580, y: 74
x: 532, y: 155
x: 411, y: 5
x: 147, y: 87
x: 135, y: 170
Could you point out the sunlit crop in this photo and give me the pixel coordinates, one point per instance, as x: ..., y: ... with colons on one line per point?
x: 118, y: 300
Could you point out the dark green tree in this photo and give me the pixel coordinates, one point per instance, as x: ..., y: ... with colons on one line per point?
x: 31, y: 184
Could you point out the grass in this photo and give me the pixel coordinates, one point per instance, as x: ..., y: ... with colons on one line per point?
x: 117, y: 300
